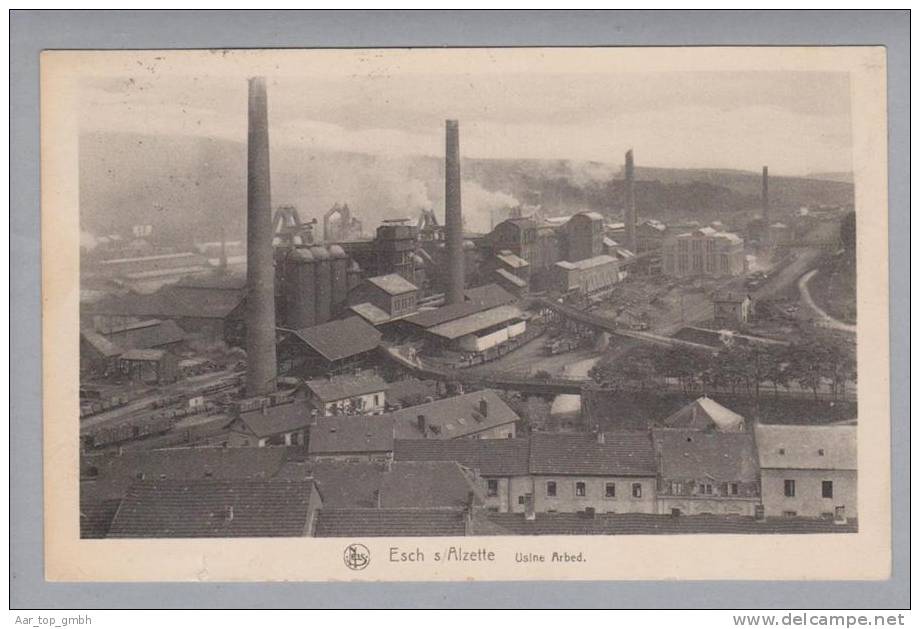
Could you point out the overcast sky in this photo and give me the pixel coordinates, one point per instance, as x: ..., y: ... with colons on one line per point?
x: 795, y: 122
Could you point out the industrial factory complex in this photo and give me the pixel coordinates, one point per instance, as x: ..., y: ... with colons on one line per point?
x: 419, y: 378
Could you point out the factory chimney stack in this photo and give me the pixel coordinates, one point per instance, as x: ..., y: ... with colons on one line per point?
x: 261, y: 362
x: 630, y: 215
x: 765, y: 195
x: 453, y: 217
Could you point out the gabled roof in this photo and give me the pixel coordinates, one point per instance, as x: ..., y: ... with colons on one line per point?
x: 693, y: 454
x: 276, y: 420
x: 351, y: 434
x: 622, y: 453
x: 393, y: 284
x: 489, y: 296
x: 146, y: 355
x: 705, y: 414
x: 208, y: 508
x: 173, y: 301
x: 477, y: 300
x: 394, y: 485
x: 149, y: 334
x: 452, y: 417
x: 488, y: 457
x: 371, y: 313
x: 96, y: 517
x: 345, y: 386
x: 343, y: 338
x: 588, y: 263
x: 390, y: 523
x: 99, y: 343
x: 807, y: 447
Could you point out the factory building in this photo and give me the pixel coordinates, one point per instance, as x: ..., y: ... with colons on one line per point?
x: 385, y: 298
x: 536, y: 243
x: 584, y: 236
x: 313, y: 284
x: 334, y: 347
x: 591, y: 276
x: 704, y: 252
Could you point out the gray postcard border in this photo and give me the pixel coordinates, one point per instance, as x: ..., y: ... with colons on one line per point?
x: 34, y: 31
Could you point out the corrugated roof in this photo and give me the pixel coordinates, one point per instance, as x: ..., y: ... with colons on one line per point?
x: 703, y: 414
x: 393, y: 284
x: 452, y: 417
x: 396, y: 485
x: 207, y: 508
x: 342, y: 387
x: 488, y: 457
x: 623, y: 453
x: 807, y: 447
x: 693, y: 454
x: 340, y: 339
x: 351, y: 434
x: 476, y: 322
x: 390, y: 523
x: 652, y: 524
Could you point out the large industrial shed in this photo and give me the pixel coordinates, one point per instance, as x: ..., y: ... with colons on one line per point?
x: 330, y: 348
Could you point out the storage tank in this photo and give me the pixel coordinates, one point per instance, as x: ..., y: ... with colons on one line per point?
x: 339, y: 263
x: 323, y: 283
x: 300, y: 289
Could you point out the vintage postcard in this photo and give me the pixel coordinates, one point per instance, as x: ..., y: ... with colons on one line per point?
x: 465, y: 314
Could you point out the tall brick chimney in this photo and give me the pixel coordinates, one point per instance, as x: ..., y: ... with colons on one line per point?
x: 765, y: 195
x: 630, y: 215
x: 453, y: 215
x: 261, y: 362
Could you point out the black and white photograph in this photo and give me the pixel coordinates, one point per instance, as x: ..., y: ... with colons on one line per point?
x: 372, y: 295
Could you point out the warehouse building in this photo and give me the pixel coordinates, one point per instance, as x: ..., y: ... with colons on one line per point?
x: 336, y: 347
x: 587, y: 277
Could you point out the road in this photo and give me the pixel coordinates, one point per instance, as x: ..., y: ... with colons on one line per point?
x: 821, y: 317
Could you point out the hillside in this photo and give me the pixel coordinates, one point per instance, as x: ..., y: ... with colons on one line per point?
x: 185, y: 186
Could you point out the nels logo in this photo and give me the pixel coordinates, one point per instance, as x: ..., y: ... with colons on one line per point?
x: 357, y: 556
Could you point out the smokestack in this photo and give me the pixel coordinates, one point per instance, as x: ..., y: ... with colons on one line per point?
x: 223, y: 248
x: 630, y: 214
x: 261, y: 362
x: 765, y: 195
x: 453, y: 216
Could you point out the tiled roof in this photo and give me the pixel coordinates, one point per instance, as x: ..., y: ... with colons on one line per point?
x: 694, y: 454
x: 206, y: 508
x: 807, y: 447
x: 390, y: 523
x: 488, y: 457
x: 278, y: 419
x: 113, y: 473
x: 345, y: 386
x: 394, y: 485
x: 457, y: 416
x: 340, y: 339
x: 703, y: 414
x: 351, y: 434
x: 649, y: 524
x: 393, y: 284
x: 476, y: 322
x: 96, y: 517
x: 622, y: 453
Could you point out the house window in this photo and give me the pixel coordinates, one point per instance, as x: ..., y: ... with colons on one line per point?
x: 789, y: 488
x: 551, y: 488
x: 789, y: 514
x: 637, y: 490
x: 827, y: 489
x: 580, y: 489
x: 706, y: 488
x: 820, y: 451
x: 733, y: 489
x: 139, y: 476
x: 376, y: 399
x: 610, y: 490
x: 492, y: 487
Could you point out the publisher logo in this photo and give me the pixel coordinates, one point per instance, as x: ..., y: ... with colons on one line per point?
x: 357, y: 556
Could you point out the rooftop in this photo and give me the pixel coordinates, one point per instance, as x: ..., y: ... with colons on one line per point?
x: 477, y: 321
x: 588, y: 263
x: 212, y: 508
x: 390, y: 523
x: 144, y: 354
x: 622, y: 453
x: 511, y: 277
x: 693, y: 454
x: 351, y: 434
x: 393, y: 284
x: 512, y: 260
x: 173, y: 301
x: 807, y: 447
x: 147, y: 334
x: 101, y: 344
x: 488, y: 457
x: 704, y: 414
x: 342, y: 387
x: 278, y: 419
x: 342, y: 338
x: 453, y: 417
x: 477, y: 299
